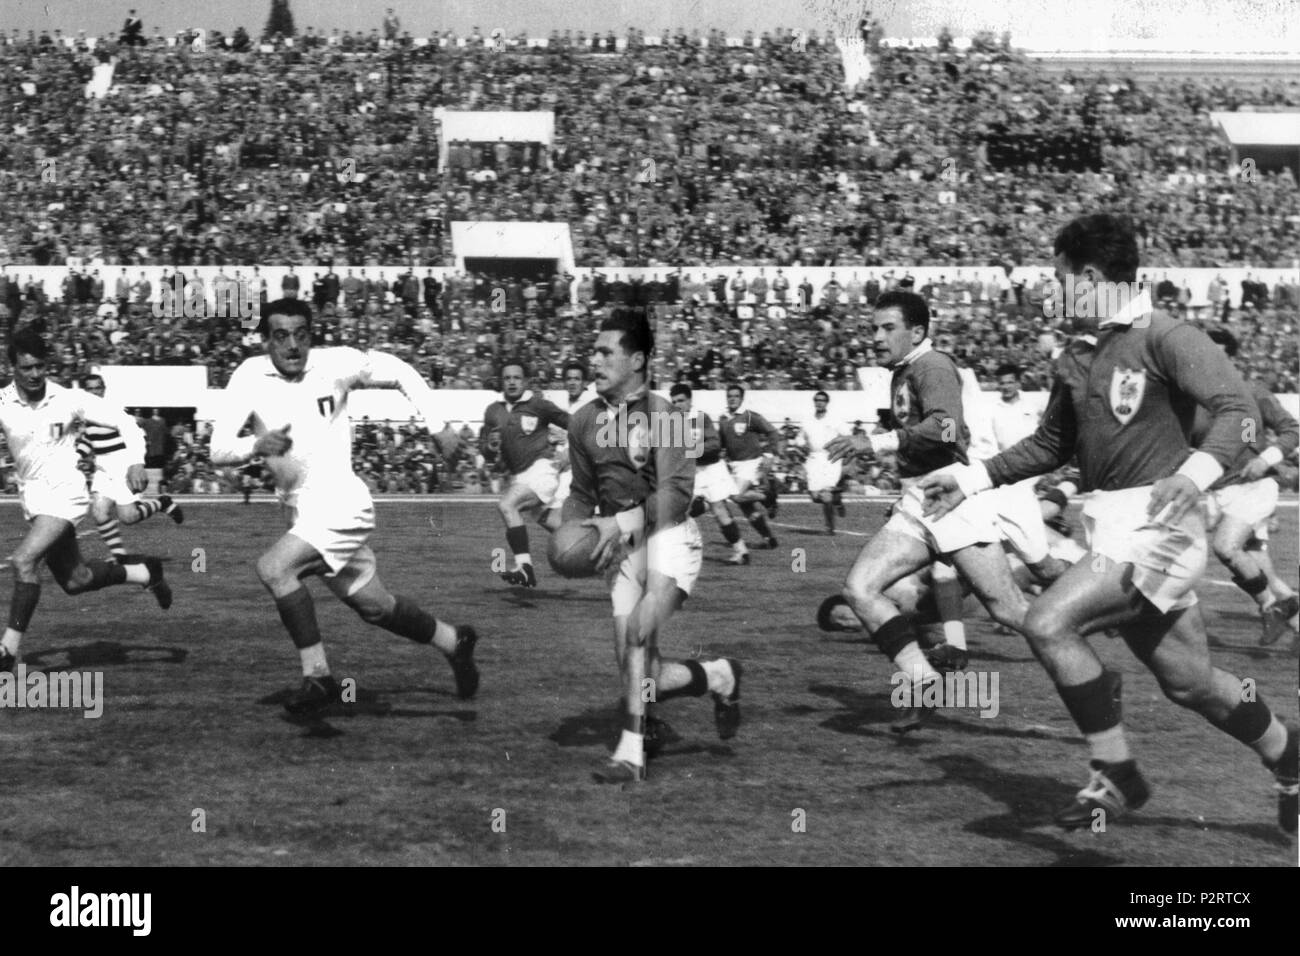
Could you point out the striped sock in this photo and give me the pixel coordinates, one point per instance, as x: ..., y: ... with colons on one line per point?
x: 111, y: 532
x: 148, y: 507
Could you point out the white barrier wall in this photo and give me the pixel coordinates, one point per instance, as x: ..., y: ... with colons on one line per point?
x: 1198, y: 280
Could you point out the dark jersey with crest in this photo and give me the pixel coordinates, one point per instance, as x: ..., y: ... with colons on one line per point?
x: 746, y: 435
x: 624, y: 474
x: 926, y: 410
x: 1126, y: 407
x: 524, y: 435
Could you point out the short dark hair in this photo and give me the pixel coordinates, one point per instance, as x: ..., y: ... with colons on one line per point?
x: 90, y: 377
x: 297, y: 307
x: 681, y: 388
x: 1226, y: 339
x: 573, y: 365
x: 821, y: 394
x: 1008, y: 368
x: 1105, y: 241
x: 914, y: 308
x: 517, y: 363
x: 27, y: 341
x: 635, y: 334
x: 736, y: 387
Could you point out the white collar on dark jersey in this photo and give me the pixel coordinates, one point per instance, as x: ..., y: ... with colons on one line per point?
x: 1134, y: 309
x: 925, y: 346
x: 634, y: 396
x: 528, y: 393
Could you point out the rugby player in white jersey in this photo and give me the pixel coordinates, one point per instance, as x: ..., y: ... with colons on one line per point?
x: 1124, y: 399
x: 823, y: 474
x: 298, y: 399
x: 41, y: 421
x: 112, y: 502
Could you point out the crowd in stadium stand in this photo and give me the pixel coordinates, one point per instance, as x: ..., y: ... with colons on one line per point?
x: 677, y: 153
x: 702, y: 156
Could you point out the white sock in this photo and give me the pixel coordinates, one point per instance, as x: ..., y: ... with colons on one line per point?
x: 722, y: 680
x: 522, y: 559
x: 740, y: 547
x: 1109, y: 745
x: 444, y: 637
x: 954, y: 632
x: 11, y: 640
x: 313, y: 660
x: 912, y: 662
x: 137, y: 573
x: 631, y: 747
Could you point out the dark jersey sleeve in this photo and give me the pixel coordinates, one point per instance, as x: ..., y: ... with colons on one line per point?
x: 1279, y: 421
x: 1202, y: 370
x: 771, y: 437
x: 674, y: 486
x: 552, y: 414
x: 939, y: 391
x: 583, y: 493
x: 712, y: 441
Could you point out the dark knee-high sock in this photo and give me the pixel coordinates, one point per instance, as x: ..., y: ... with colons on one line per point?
x: 730, y: 533
x: 517, y: 538
x: 897, y: 640
x: 104, y: 574
x: 1097, y: 711
x: 828, y: 513
x: 111, y: 532
x: 411, y: 621
x: 298, y: 615
x: 1254, y: 586
x: 1253, y: 723
x: 22, y: 605
x: 698, y: 686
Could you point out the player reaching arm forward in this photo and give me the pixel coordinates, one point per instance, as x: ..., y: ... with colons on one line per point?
x: 40, y: 421
x: 1123, y: 400
x: 298, y: 399
x: 649, y: 545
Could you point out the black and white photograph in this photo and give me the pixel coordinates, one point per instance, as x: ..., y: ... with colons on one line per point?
x: 700, y: 433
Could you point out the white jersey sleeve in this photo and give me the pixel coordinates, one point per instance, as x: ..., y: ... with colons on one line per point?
x: 382, y: 370
x: 237, y: 403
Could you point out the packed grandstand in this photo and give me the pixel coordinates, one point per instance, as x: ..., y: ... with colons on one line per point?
x: 755, y: 194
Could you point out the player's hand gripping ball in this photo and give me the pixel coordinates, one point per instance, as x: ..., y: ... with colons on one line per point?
x: 570, y: 550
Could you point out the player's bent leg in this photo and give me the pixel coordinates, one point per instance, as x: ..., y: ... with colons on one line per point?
x: 106, y: 514
x: 1229, y: 544
x: 985, y: 567
x: 517, y: 500
x: 281, y: 569
x: 1177, y: 653
x: 947, y: 593
x: 78, y: 576
x: 361, y: 589
x: 1094, y: 594
x: 730, y: 532
x: 26, y: 560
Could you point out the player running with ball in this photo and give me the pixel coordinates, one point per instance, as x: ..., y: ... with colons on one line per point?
x: 1124, y: 400
x: 298, y: 398
x: 648, y: 545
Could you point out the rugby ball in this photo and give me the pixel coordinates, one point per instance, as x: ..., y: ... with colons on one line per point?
x: 570, y: 550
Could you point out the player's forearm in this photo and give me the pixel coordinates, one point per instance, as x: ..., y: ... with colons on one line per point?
x: 388, y: 371
x: 228, y: 448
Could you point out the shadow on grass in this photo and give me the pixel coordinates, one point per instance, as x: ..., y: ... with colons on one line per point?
x: 104, y: 654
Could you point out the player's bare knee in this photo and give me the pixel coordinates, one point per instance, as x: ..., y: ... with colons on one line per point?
x: 270, y: 571
x: 1042, y: 627
x: 372, y: 611
x: 128, y: 514
x: 1191, y: 690
x: 26, y: 567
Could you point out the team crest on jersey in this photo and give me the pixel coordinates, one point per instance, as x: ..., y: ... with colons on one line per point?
x: 1126, y: 389
x: 740, y: 428
x: 528, y: 424
x: 638, y: 445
